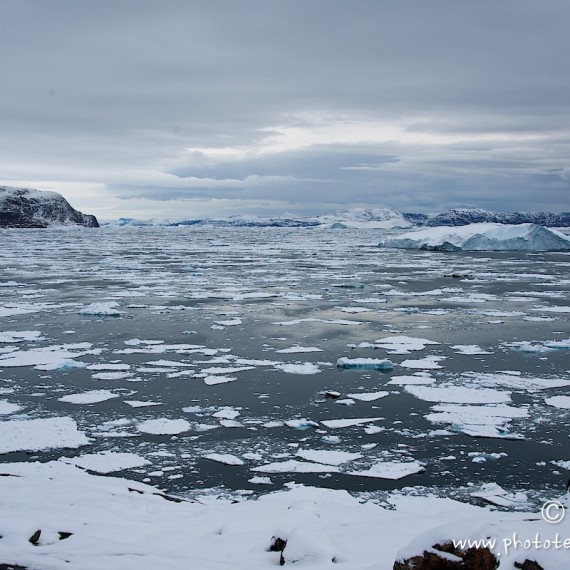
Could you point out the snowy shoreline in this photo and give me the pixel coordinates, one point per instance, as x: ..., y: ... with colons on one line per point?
x: 91, y: 522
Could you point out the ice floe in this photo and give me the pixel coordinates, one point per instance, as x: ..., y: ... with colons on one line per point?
x: 391, y: 469
x: 365, y: 363
x: 7, y: 408
x: 328, y: 457
x: 107, y: 461
x: 225, y: 458
x: 40, y: 434
x: 459, y: 394
x: 89, y: 397
x: 163, y: 426
x: 562, y: 402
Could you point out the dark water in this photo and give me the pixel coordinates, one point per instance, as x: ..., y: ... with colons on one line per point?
x: 173, y: 284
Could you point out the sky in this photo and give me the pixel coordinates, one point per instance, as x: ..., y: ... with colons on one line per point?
x: 191, y: 108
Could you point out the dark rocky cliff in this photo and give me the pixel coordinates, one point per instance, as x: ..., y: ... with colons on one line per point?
x: 29, y: 208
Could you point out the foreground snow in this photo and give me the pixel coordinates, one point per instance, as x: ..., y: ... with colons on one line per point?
x: 98, y: 523
x: 483, y: 237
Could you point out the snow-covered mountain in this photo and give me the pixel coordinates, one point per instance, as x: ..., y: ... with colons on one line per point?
x: 379, y: 218
x: 29, y: 208
x: 462, y: 217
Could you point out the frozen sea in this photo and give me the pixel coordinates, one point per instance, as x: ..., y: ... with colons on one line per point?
x: 231, y: 361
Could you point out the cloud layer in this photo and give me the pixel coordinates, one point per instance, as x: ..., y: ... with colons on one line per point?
x: 213, y: 107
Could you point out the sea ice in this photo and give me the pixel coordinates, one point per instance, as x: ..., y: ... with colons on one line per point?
x: 163, y: 426
x: 40, y: 434
x: 391, y: 469
x: 89, y: 397
x: 327, y: 456
x: 8, y: 408
x: 459, y: 394
x: 562, y: 402
x: 107, y: 461
x: 225, y: 458
x: 365, y: 363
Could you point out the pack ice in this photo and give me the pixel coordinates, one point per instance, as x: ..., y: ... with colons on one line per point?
x: 482, y: 237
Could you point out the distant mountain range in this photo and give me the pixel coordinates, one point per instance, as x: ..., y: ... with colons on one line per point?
x: 29, y: 208
x: 366, y: 218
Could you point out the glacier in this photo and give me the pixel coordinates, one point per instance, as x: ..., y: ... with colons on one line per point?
x: 482, y: 237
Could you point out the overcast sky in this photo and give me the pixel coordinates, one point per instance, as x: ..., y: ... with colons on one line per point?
x: 218, y: 107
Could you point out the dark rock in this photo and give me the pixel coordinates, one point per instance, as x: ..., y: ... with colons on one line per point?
x: 29, y: 208
x: 471, y: 559
x: 529, y: 565
x: 278, y: 545
x: 63, y: 534
x: 12, y: 567
x: 35, y: 538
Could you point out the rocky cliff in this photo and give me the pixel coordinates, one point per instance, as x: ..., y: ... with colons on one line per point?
x: 29, y: 208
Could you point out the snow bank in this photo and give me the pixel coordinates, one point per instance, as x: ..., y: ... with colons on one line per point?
x: 482, y: 237
x: 103, y: 523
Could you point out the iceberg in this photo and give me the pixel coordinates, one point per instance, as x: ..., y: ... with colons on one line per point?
x: 482, y: 237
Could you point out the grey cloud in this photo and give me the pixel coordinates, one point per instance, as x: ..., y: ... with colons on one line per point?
x: 91, y: 90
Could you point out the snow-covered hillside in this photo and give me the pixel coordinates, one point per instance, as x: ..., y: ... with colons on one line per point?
x: 482, y: 237
x: 29, y: 208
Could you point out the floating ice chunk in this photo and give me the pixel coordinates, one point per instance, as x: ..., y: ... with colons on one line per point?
x: 218, y: 379
x: 328, y: 457
x: 225, y: 370
x: 496, y: 495
x: 479, y: 421
x: 365, y: 363
x: 107, y: 309
x: 141, y: 404
x: 562, y: 464
x: 107, y: 461
x: 342, y: 423
x: 402, y: 344
x: 314, y: 320
x: 163, y: 426
x: 301, y: 424
x: 231, y: 424
x: 345, y: 402
x: 294, y: 466
x: 259, y: 480
x: 515, y: 381
x: 354, y: 310
x: 112, y: 375
x: 427, y: 363
x: 89, y: 397
x: 225, y: 458
x: 562, y: 402
x: 304, y: 368
x: 56, y: 357
x: 459, y: 394
x: 20, y: 336
x: 299, y: 350
x: 41, y: 434
x: 553, y: 309
x: 8, y: 408
x: 469, y: 349
x: 369, y: 396
x: 108, y: 366
x: 391, y: 470
x: 415, y: 379
x: 226, y: 413
x: 230, y: 323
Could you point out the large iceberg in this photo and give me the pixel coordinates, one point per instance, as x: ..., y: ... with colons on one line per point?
x: 482, y: 237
